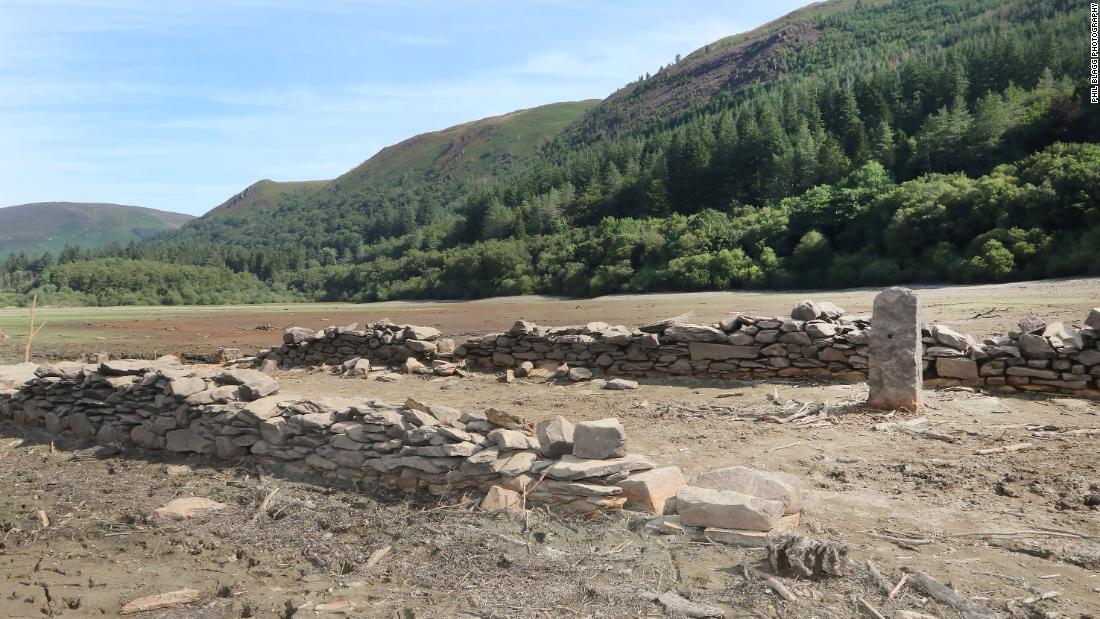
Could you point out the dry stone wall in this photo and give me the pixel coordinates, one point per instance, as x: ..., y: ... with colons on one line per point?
x: 383, y: 343
x: 162, y: 405
x: 817, y: 339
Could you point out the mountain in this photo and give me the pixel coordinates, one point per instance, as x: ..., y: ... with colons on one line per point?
x: 726, y: 65
x: 50, y: 226
x: 850, y: 143
x: 473, y: 151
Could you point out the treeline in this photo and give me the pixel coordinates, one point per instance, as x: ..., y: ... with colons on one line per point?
x: 118, y: 281
x: 946, y: 140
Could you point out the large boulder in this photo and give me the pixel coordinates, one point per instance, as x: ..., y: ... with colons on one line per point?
x: 813, y: 310
x: 297, y: 335
x: 1032, y: 324
x: 694, y: 333
x: 951, y: 338
x: 413, y: 332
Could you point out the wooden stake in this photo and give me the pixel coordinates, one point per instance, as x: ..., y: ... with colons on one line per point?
x: 31, y: 332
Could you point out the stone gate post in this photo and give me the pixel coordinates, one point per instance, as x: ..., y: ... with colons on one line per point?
x: 895, y: 364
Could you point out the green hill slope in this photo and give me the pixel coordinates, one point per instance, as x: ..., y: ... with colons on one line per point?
x: 49, y: 226
x: 473, y: 151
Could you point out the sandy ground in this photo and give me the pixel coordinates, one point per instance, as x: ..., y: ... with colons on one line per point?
x: 1001, y: 529
x: 198, y: 331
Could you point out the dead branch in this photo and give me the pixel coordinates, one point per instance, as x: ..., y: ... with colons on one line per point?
x: 1005, y: 449
x: 264, y: 504
x: 945, y: 595
x: 779, y: 588
x: 879, y: 579
x: 897, y: 587
x: 870, y: 610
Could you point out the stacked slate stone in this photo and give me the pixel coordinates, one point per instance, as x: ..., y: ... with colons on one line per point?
x: 817, y: 339
x: 383, y: 343
x: 152, y: 404
x: 232, y: 413
x: 1038, y: 357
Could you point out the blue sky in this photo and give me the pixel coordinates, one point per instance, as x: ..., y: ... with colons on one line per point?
x: 179, y: 105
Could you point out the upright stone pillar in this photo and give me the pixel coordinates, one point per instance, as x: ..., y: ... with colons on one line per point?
x: 895, y: 364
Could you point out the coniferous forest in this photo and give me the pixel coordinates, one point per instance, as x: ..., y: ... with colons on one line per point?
x: 866, y: 143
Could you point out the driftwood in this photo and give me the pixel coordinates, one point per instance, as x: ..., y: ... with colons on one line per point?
x: 780, y: 590
x: 262, y: 509
x: 809, y: 557
x: 1006, y: 448
x: 870, y: 610
x: 377, y: 556
x: 164, y: 600
x: 879, y: 579
x: 945, y: 595
x: 679, y: 605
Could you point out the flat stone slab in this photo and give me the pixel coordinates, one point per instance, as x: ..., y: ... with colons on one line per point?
x: 726, y: 509
x: 753, y: 482
x: 189, y: 507
x: 572, y: 467
x: 16, y: 375
x: 651, y: 490
x: 746, y: 538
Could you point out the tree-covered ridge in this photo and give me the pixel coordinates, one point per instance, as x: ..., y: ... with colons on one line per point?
x: 915, y: 140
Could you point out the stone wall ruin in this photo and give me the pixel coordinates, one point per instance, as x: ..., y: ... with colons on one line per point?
x: 817, y: 339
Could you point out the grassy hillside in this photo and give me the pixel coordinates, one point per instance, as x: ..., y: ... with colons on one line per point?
x: 265, y: 194
x: 49, y: 226
x: 473, y: 151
